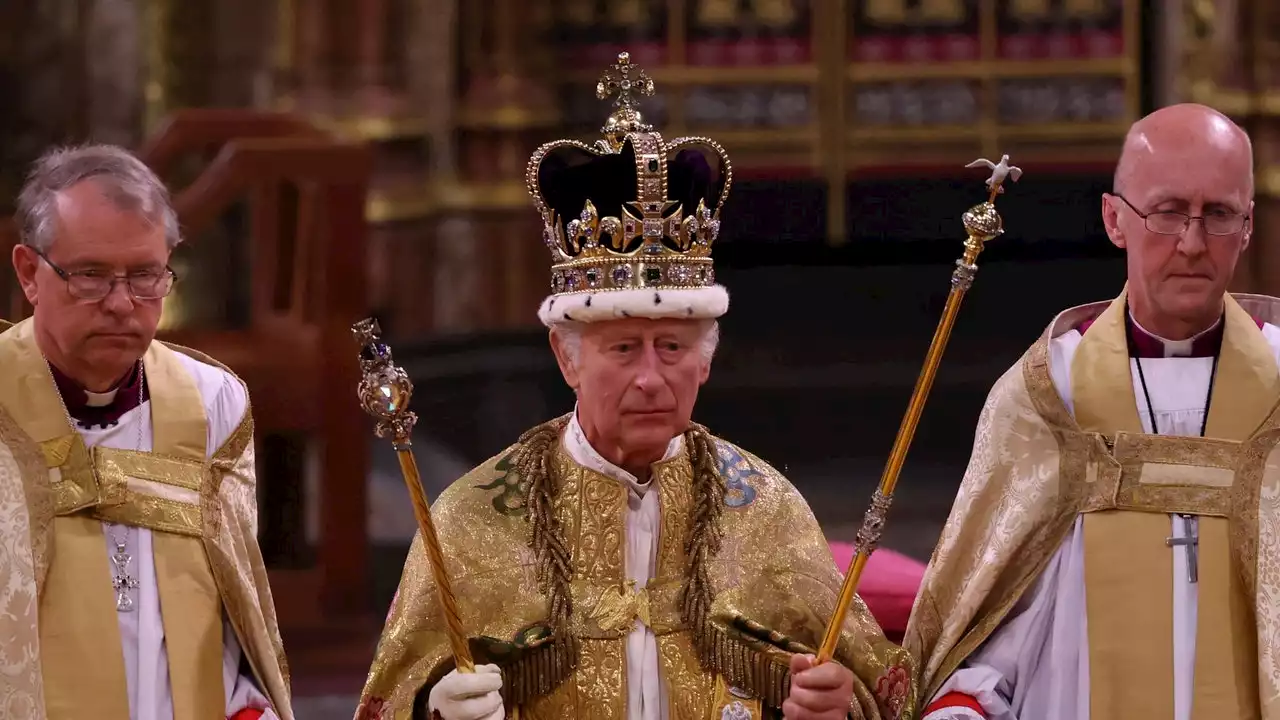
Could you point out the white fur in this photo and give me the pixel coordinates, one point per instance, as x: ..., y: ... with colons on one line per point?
x: 707, y: 303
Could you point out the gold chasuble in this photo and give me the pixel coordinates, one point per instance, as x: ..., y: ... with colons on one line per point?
x: 1036, y: 467
x: 202, y: 512
x: 774, y: 583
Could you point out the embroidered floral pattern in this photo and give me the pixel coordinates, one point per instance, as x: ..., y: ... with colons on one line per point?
x: 891, y: 691
x: 511, y: 488
x: 738, y: 474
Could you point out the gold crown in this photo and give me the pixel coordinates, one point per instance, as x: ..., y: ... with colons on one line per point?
x: 655, y: 233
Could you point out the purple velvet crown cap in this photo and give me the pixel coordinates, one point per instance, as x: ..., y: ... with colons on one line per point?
x: 569, y: 176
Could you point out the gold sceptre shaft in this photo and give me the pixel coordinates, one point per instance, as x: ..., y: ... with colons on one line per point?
x: 384, y: 392
x: 982, y: 223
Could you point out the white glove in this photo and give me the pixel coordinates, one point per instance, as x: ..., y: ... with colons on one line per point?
x: 469, y: 696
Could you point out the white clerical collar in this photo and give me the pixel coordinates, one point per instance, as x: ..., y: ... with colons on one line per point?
x: 1176, y: 348
x: 575, y: 442
x: 102, y: 399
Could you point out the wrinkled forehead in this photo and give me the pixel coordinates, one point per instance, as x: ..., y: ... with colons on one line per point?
x: 90, y: 226
x: 93, y: 204
x: 645, y: 327
x: 1190, y: 168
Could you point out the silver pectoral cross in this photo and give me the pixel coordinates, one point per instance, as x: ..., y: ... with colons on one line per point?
x: 122, y: 582
x: 1190, y: 540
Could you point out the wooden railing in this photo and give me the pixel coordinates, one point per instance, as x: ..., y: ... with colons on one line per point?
x: 305, y: 195
x: 297, y: 355
x: 208, y: 129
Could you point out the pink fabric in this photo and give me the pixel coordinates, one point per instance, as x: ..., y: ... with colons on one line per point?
x: 888, y: 585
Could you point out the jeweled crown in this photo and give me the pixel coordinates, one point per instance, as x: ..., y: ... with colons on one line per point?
x: 632, y: 211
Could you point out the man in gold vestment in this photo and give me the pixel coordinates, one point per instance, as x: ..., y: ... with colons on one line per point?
x: 1112, y: 553
x: 134, y: 583
x: 621, y: 561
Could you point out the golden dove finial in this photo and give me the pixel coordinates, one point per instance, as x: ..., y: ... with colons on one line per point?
x: 624, y: 81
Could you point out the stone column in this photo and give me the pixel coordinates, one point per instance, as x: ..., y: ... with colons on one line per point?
x: 43, y: 81
x: 382, y: 72
x: 506, y: 111
x: 114, y: 47
x: 178, y: 56
x: 452, y: 150
x: 202, y: 53
x: 243, y: 59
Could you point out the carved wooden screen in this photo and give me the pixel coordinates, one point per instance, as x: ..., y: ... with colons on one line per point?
x: 835, y: 90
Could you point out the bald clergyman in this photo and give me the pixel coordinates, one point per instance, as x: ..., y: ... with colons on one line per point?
x: 1114, y: 551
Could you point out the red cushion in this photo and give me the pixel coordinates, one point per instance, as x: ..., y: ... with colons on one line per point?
x: 888, y: 585
x: 954, y: 700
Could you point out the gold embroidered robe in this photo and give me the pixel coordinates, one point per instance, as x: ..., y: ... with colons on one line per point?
x: 774, y: 579
x: 1036, y: 467
x: 54, y: 494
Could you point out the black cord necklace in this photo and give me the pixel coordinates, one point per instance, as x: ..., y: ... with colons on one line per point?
x: 1142, y: 378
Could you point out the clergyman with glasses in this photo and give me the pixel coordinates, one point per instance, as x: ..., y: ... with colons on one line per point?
x: 133, y: 583
x: 1115, y: 546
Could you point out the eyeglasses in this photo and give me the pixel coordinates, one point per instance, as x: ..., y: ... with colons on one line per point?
x: 1167, y: 222
x: 95, y: 285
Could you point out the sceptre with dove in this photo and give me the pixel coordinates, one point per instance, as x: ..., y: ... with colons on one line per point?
x: 999, y: 171
x: 981, y: 223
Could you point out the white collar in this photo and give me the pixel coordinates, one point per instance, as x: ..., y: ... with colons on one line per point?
x: 1175, y: 348
x: 102, y: 399
x: 575, y: 443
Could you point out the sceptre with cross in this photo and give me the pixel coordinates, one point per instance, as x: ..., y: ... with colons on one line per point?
x: 1190, y: 541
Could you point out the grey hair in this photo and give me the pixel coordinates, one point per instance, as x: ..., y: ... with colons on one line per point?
x: 123, y: 179
x: 571, y: 335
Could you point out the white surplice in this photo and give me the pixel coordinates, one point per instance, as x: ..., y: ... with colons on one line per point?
x: 146, y: 661
x: 1035, y: 666
x: 646, y: 696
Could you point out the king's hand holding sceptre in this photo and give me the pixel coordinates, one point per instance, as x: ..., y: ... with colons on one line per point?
x: 385, y: 391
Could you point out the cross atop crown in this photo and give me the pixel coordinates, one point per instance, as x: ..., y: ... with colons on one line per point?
x: 624, y: 81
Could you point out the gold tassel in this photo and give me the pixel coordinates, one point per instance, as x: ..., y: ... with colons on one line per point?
x: 756, y: 672
x: 538, y: 671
